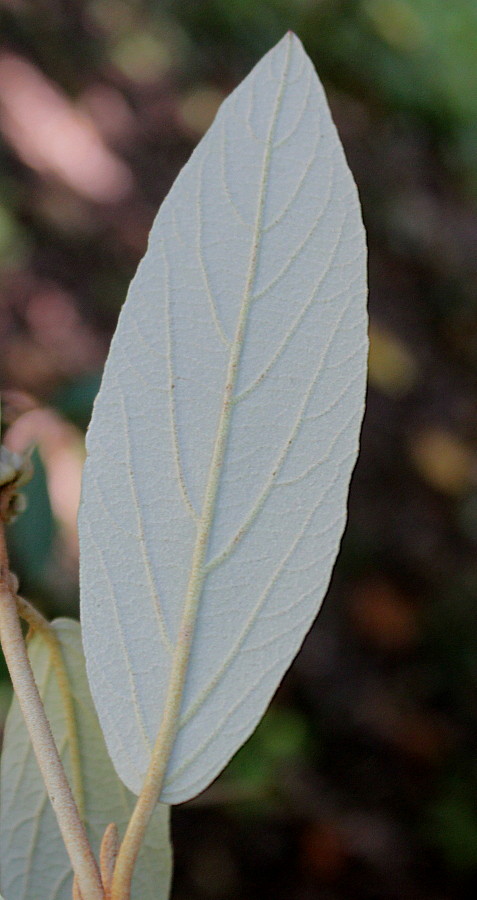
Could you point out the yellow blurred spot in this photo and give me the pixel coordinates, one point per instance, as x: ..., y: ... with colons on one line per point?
x: 392, y: 368
x: 443, y: 460
x: 198, y: 108
x: 396, y: 23
x: 142, y: 56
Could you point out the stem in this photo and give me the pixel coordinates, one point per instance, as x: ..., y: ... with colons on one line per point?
x: 37, y: 622
x: 59, y: 792
x: 146, y: 802
x: 107, y: 858
x: 32, y: 616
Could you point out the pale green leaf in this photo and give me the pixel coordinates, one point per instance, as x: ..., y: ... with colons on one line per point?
x: 225, y: 432
x: 34, y: 863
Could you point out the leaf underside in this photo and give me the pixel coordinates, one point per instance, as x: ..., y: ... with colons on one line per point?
x: 35, y: 865
x: 225, y: 432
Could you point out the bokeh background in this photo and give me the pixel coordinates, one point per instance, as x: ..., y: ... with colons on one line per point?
x: 361, y: 782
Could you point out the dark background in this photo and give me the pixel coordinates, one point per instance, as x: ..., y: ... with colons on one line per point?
x: 361, y: 782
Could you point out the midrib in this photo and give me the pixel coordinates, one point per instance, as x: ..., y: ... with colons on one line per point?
x: 170, y: 719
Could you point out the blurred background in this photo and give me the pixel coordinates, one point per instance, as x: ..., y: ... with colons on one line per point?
x: 361, y: 782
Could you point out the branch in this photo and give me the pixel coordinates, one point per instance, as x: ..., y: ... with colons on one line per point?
x: 37, y: 622
x: 62, y: 801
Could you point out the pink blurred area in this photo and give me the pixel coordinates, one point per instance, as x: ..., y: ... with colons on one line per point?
x: 46, y: 336
x: 61, y: 448
x: 54, y: 137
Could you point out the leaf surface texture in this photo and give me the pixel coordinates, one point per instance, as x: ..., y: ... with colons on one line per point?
x: 225, y: 431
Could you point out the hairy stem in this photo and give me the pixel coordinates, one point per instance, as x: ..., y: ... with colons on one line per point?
x: 37, y: 622
x: 107, y: 858
x: 32, y: 616
x: 123, y: 872
x: 59, y: 792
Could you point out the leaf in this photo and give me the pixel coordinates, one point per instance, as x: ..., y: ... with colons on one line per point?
x: 225, y: 432
x: 35, y: 865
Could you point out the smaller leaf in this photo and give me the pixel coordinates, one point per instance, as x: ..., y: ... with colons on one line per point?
x: 35, y: 865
